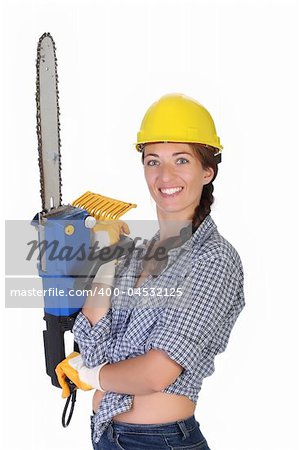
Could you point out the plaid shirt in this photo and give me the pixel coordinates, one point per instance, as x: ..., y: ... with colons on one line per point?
x: 188, y: 311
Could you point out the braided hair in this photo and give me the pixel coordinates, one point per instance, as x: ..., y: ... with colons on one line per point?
x: 206, y: 155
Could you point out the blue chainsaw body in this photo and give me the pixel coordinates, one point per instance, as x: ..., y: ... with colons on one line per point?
x: 65, y: 243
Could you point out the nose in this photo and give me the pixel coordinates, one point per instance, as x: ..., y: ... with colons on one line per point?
x: 167, y: 172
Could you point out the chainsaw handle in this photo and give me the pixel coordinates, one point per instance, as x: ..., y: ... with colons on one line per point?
x: 54, y: 345
x: 86, y: 274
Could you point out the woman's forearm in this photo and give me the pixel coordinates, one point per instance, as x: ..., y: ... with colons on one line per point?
x: 98, y: 303
x: 131, y: 376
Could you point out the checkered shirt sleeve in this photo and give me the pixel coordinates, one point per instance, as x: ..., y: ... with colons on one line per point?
x: 93, y: 341
x: 203, y: 316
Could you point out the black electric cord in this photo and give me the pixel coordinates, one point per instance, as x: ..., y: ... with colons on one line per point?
x: 72, y: 398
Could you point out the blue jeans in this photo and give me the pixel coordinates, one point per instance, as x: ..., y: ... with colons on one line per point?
x: 179, y: 435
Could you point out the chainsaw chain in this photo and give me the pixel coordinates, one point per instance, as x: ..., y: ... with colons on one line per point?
x: 38, y: 118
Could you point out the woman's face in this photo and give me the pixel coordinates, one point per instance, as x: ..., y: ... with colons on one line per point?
x: 175, y: 178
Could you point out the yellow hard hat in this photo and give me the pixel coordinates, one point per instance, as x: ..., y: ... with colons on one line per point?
x: 177, y: 118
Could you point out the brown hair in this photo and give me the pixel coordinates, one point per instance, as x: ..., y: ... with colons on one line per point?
x: 206, y: 155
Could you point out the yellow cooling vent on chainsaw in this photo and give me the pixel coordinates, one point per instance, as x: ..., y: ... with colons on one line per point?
x: 101, y: 207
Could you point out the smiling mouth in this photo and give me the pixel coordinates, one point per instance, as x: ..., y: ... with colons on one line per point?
x: 166, y: 192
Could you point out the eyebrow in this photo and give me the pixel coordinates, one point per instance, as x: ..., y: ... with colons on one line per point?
x: 174, y: 154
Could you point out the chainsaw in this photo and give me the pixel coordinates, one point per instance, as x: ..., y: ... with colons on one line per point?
x: 65, y: 264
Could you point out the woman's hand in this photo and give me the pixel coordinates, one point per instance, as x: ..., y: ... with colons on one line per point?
x: 105, y: 234
x: 69, y: 368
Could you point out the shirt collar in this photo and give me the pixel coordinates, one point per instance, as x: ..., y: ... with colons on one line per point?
x: 197, y: 238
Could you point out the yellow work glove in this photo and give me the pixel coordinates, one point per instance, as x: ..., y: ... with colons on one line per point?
x: 70, y: 367
x: 106, y: 233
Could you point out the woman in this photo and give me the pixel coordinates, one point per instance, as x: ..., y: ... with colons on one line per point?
x: 148, y: 354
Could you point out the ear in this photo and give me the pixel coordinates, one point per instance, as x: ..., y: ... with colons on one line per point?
x: 208, y: 175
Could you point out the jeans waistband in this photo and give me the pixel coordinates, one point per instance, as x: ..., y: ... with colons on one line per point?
x: 182, y: 425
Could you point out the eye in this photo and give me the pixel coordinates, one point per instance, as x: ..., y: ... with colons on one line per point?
x: 152, y: 162
x: 182, y: 161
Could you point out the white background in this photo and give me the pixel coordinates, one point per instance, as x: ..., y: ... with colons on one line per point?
x: 115, y: 58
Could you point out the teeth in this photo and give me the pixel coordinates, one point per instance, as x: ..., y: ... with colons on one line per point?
x: 170, y: 191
